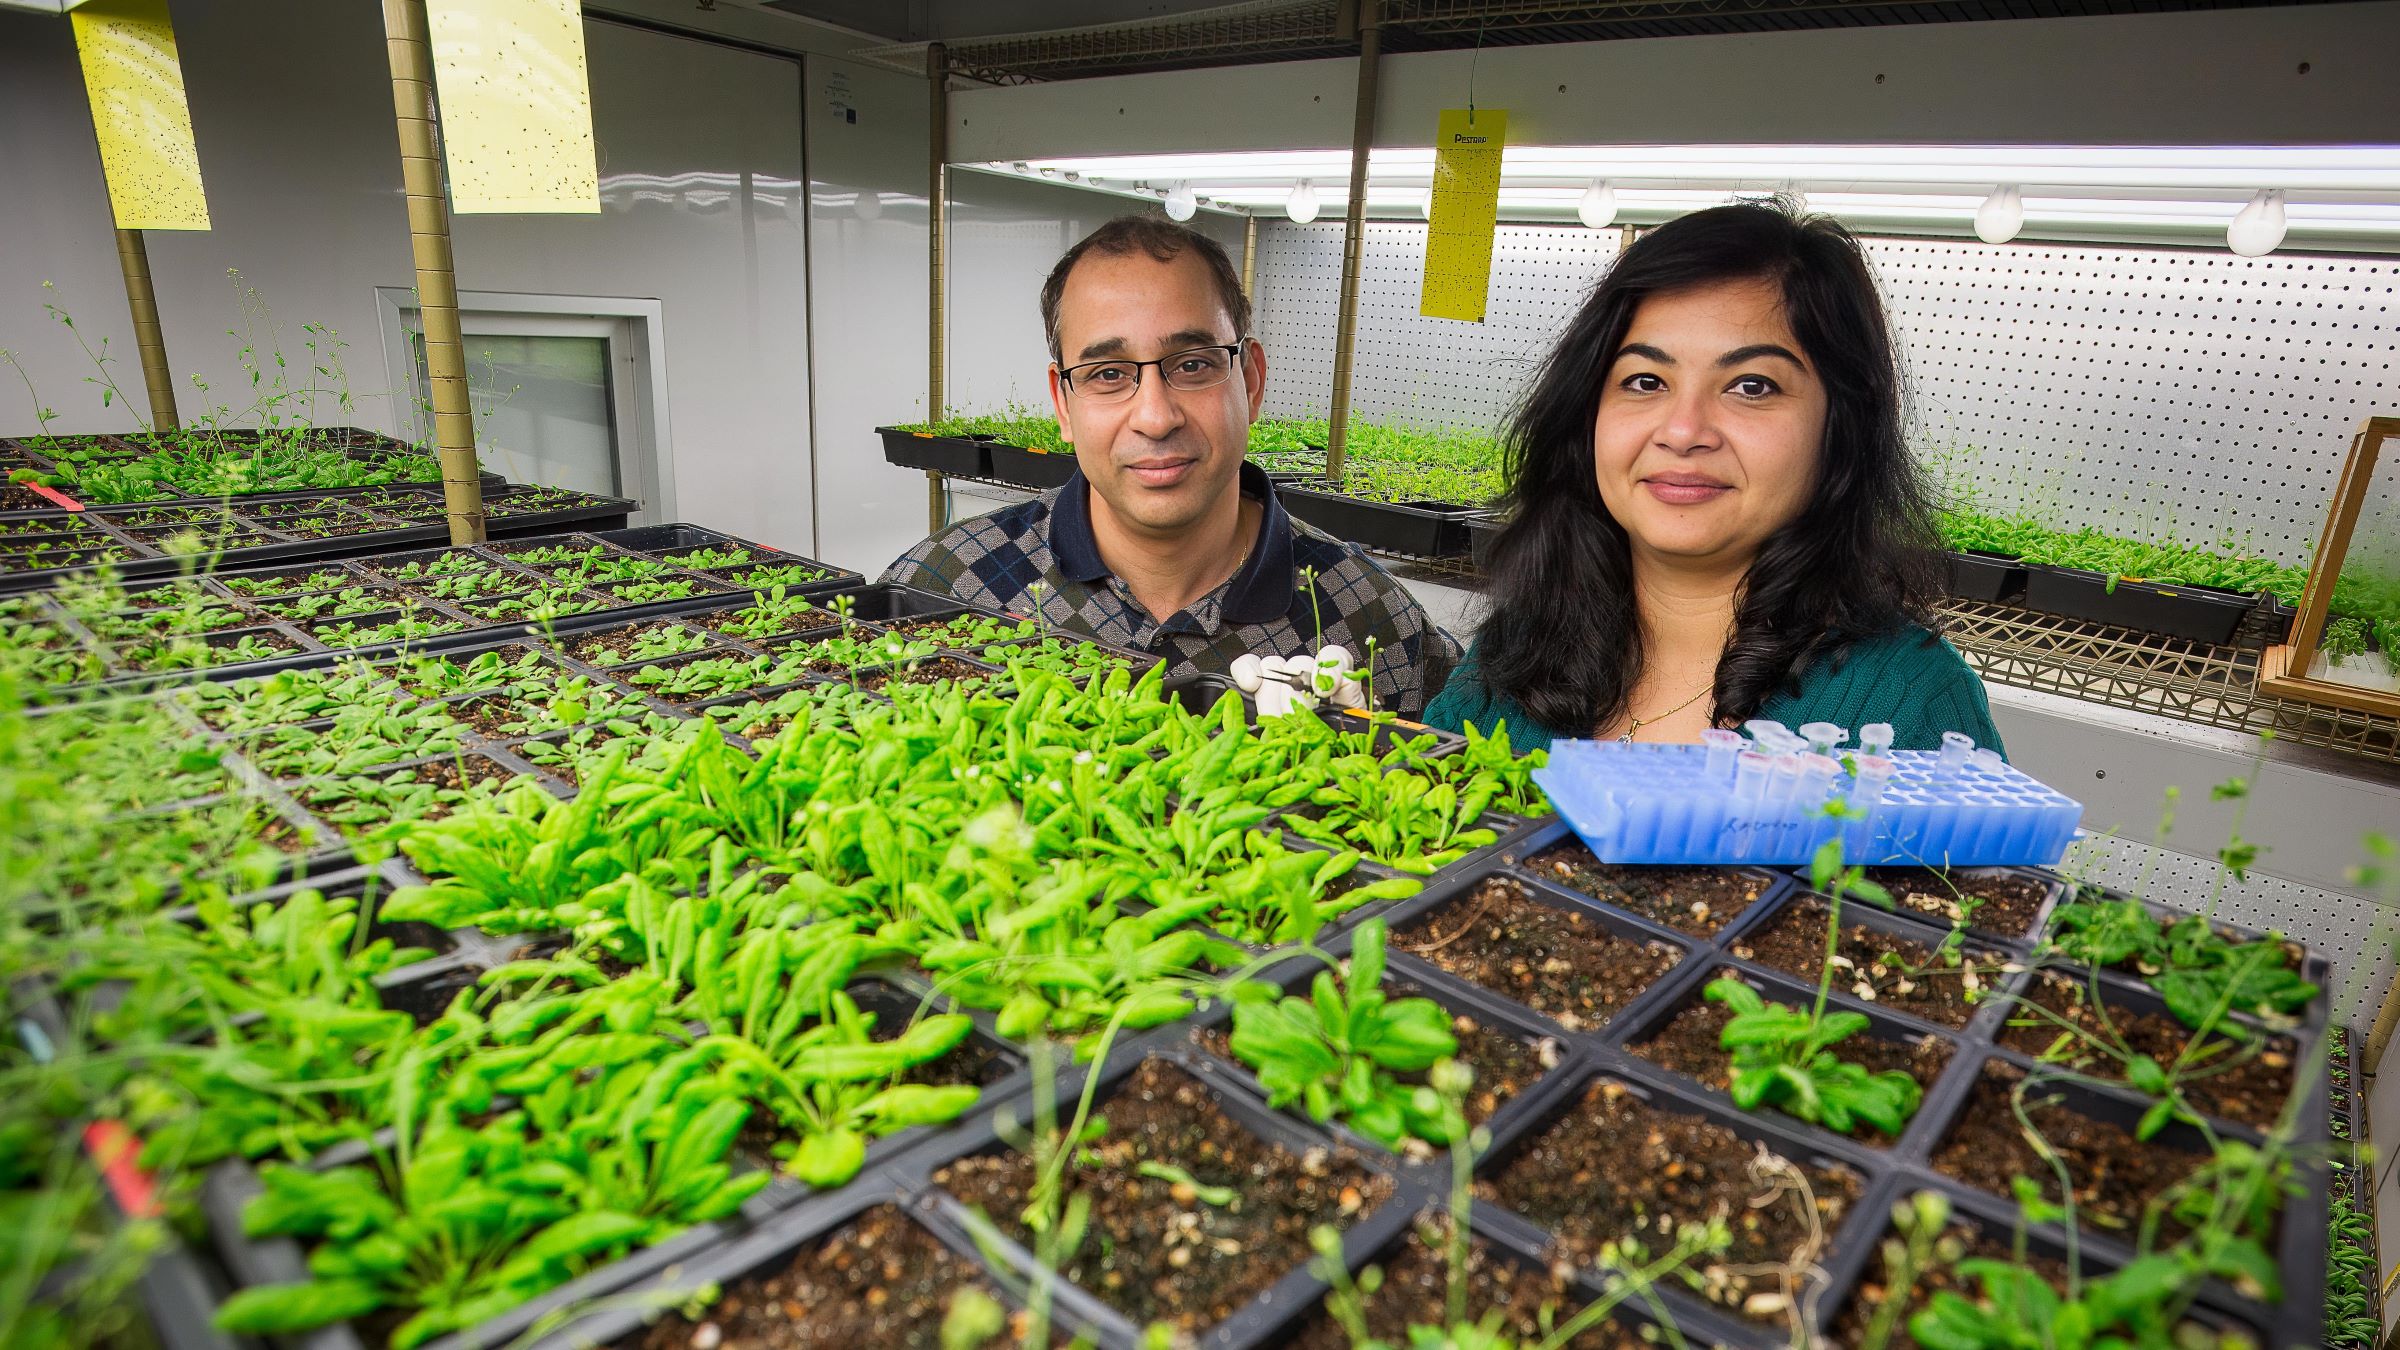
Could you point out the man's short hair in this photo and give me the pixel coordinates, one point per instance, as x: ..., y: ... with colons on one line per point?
x: 1162, y: 239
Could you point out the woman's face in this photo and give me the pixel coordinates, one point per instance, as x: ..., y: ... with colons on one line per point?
x: 1710, y: 425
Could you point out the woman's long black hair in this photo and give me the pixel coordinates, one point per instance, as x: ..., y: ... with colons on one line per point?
x: 1563, y: 636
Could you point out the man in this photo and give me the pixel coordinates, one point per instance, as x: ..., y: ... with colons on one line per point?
x: 1166, y: 540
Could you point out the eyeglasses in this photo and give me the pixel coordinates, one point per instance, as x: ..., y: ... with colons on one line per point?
x: 1114, y: 381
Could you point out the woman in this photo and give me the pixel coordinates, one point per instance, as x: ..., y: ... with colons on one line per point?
x: 1716, y: 517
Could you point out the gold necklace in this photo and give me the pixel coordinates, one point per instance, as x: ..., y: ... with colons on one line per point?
x: 1634, y: 724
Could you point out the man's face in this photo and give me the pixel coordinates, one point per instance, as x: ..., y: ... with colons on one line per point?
x: 1162, y: 460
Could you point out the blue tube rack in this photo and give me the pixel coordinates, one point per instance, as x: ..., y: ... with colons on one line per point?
x: 1682, y: 804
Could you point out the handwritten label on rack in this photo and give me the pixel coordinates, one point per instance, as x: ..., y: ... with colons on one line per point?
x: 134, y: 79
x: 1466, y: 206
x: 516, y: 105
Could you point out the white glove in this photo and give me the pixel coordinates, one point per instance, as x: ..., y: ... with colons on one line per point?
x: 1299, y: 683
x: 1334, y: 680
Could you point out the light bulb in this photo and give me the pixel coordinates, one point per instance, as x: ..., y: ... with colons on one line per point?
x: 1599, y: 205
x: 2001, y: 215
x: 1425, y: 204
x: 1302, y: 207
x: 2258, y: 230
x: 1181, y: 205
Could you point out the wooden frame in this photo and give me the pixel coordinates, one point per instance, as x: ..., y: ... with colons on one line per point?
x: 2283, y: 669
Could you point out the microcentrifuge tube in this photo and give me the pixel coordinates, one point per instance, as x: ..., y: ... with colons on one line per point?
x: 1723, y: 746
x: 1874, y: 775
x: 1956, y: 746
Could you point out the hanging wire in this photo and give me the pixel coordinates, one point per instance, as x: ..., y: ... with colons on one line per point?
x: 1473, y: 59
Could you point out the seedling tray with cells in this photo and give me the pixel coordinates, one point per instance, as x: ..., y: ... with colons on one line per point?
x: 1879, y: 959
x: 1511, y: 1055
x: 1685, y: 1036
x: 2116, y: 1175
x: 635, y: 643
x: 1201, y: 1202
x: 2240, y: 1073
x: 931, y: 670
x: 1740, y: 1300
x: 1576, y: 964
x: 2002, y: 902
x: 862, y: 1267
x: 1610, y: 1155
x: 897, y: 1004
x: 294, y: 530
x: 1963, y: 1255
x: 1531, y: 1292
x: 1695, y: 900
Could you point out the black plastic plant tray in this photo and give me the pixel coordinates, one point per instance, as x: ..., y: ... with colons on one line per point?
x: 2112, y: 1107
x: 354, y: 881
x: 887, y: 601
x: 314, y: 654
x: 1040, y: 470
x: 1419, y: 529
x: 274, y: 1260
x: 1700, y: 1321
x: 942, y: 454
x: 1990, y: 577
x: 2123, y: 997
x: 332, y: 497
x: 2192, y: 613
x: 899, y: 994
x: 2054, y: 888
x: 1904, y: 1163
x: 1999, y: 1222
x: 473, y: 746
x: 1449, y: 897
x: 1987, y: 954
x: 1941, y: 1094
x: 2313, y: 966
x: 328, y: 852
x: 1139, y: 660
x: 1530, y: 1262
x: 1297, y: 1288
x: 1544, y: 834
x: 601, y: 513
x: 1482, y: 528
x: 1559, y: 1054
x: 766, y: 1249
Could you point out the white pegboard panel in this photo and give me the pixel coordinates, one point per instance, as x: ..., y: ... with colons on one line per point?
x: 2152, y: 392
x: 2356, y: 934
x: 2148, y: 391
x: 1408, y: 368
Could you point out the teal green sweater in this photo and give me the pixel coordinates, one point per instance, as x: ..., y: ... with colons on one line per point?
x: 1911, y: 679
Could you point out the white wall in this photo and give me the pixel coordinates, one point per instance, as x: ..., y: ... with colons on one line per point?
x: 867, y: 310
x: 1005, y: 236
x: 2220, y: 77
x: 291, y: 105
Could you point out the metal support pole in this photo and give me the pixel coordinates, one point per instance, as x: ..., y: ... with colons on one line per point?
x: 410, y: 50
x: 1250, y: 258
x: 133, y: 258
x: 937, y: 217
x: 1354, y: 229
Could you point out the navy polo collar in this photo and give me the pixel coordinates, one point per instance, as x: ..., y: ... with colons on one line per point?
x: 1260, y: 593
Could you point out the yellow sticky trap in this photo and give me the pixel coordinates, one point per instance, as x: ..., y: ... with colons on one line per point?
x: 1466, y: 206
x: 134, y: 80
x: 516, y: 105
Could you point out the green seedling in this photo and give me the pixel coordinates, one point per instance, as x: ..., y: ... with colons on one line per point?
x: 1341, y: 1051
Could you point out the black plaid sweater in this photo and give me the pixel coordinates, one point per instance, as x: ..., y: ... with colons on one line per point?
x: 994, y: 560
